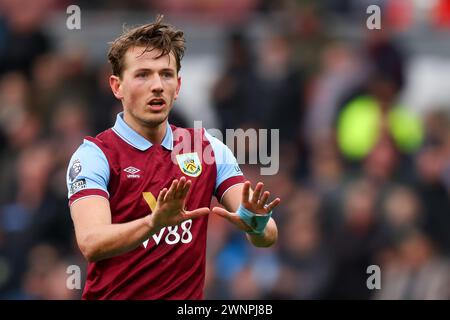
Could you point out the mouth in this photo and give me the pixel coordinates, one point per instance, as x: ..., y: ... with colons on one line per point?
x: 156, y: 104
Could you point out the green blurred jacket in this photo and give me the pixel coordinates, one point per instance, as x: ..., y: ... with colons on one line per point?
x: 358, y: 128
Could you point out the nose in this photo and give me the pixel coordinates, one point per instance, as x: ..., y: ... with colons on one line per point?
x: 157, y: 86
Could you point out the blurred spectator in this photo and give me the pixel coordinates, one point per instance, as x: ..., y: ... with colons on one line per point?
x: 402, y: 209
x: 14, y: 97
x: 430, y: 164
x: 303, y: 252
x: 46, y: 276
x: 231, y: 11
x: 47, y: 77
x: 385, y: 57
x: 281, y: 101
x: 14, y: 103
x: 418, y: 272
x: 326, y: 169
x: 21, y: 34
x: 34, y: 212
x: 341, y: 71
x: 382, y: 163
x: 233, y: 92
x: 309, y: 35
x: 70, y: 123
x: 356, y: 242
x: 326, y: 177
x: 369, y: 119
x: 104, y: 106
x: 21, y: 132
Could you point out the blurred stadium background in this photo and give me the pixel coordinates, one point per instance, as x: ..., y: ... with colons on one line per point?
x: 364, y: 119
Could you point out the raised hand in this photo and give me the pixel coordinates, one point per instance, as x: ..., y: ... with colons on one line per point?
x: 170, y: 205
x: 257, y: 204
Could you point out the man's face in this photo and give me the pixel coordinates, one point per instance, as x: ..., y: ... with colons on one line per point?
x: 148, y: 86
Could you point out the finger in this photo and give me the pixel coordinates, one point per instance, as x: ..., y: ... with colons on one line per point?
x: 257, y: 192
x: 161, y: 195
x: 186, y: 188
x: 231, y: 217
x: 246, y: 192
x: 222, y: 212
x: 264, y: 198
x: 273, y: 204
x: 179, y: 189
x: 200, y: 212
x: 170, y: 193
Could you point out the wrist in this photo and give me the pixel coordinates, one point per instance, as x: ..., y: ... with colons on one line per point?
x: 257, y: 234
x: 150, y: 223
x: 257, y: 222
x: 265, y: 239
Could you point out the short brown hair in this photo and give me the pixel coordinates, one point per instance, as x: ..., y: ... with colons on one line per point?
x: 151, y: 36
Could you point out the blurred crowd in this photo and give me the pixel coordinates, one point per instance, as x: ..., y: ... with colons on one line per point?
x: 364, y: 179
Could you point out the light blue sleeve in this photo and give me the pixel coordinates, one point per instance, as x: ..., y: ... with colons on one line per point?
x: 88, y: 169
x: 226, y: 162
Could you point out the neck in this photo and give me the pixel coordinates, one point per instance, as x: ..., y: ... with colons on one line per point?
x: 154, y: 134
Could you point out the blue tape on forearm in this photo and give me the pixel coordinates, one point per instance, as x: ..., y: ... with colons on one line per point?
x: 257, y: 222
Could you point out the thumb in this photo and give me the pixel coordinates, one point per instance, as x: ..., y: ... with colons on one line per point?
x: 231, y: 217
x: 197, y: 213
x: 222, y: 212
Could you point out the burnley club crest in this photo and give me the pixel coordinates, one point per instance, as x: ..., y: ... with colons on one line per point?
x: 190, y: 164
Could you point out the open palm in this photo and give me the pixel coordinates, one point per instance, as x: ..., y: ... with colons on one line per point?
x: 257, y: 204
x: 170, y: 205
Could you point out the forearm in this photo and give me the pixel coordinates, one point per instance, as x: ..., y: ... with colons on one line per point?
x: 106, y: 241
x: 267, y: 238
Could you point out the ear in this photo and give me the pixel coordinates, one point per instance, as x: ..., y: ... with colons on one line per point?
x: 116, y: 86
x: 178, y: 88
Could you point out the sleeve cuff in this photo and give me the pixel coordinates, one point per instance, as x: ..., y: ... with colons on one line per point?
x: 227, y: 184
x: 87, y: 193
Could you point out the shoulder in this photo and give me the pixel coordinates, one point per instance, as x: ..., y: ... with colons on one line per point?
x: 106, y: 144
x: 88, y: 155
x: 88, y: 169
x: 104, y: 140
x: 90, y: 147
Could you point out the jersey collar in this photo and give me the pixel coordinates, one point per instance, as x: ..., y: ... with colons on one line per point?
x: 127, y: 134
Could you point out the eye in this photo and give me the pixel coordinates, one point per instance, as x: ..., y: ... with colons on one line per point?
x: 141, y: 75
x: 167, y: 75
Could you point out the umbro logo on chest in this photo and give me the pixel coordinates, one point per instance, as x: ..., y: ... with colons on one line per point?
x: 132, y: 172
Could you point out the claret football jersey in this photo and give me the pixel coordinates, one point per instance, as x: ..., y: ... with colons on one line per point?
x: 125, y: 168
